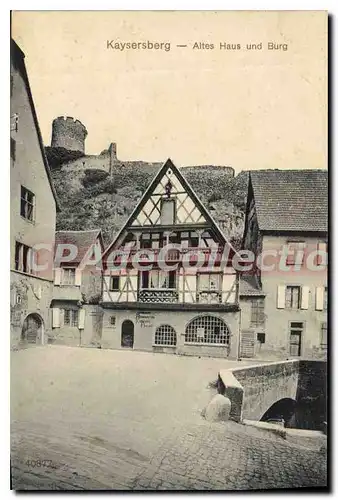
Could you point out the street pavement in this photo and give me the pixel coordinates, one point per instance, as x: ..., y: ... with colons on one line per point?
x: 90, y: 419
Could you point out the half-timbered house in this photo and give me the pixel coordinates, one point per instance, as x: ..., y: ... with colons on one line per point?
x: 168, y: 280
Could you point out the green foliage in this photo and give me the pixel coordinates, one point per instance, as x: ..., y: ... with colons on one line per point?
x: 93, y: 176
x: 57, y: 157
x: 92, y: 199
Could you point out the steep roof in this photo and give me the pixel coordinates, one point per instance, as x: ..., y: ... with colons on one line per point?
x: 249, y: 286
x: 291, y: 200
x: 83, y: 240
x: 18, y: 58
x: 168, y: 164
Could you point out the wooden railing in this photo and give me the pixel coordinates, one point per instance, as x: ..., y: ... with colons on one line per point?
x: 158, y: 296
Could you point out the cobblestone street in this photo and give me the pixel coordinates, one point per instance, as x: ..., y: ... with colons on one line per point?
x: 91, y: 419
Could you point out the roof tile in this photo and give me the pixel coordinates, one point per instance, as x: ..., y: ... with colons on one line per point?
x: 291, y: 200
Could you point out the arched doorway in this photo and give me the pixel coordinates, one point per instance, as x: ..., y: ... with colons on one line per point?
x: 32, y: 329
x: 284, y: 409
x: 127, y: 334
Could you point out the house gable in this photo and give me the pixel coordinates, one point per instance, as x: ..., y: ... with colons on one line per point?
x: 169, y: 188
x: 187, y: 213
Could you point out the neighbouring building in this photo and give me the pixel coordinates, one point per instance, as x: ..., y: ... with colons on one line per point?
x: 76, y: 314
x: 33, y: 214
x: 182, y: 298
x: 284, y: 304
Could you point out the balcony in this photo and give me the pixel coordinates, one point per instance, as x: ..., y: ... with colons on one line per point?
x: 158, y: 296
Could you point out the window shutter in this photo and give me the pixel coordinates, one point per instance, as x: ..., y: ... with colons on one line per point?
x: 56, y: 317
x: 281, y: 297
x: 320, y: 298
x: 78, y: 277
x: 305, y: 297
x: 57, y: 276
x: 82, y: 314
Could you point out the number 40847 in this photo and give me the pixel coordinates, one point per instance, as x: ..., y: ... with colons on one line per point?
x: 40, y: 463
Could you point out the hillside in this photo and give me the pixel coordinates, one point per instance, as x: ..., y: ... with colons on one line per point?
x: 91, y: 199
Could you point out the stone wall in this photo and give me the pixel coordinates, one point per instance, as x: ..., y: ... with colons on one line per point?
x: 253, y: 390
x: 68, y: 133
x: 312, y: 394
x: 259, y: 387
x: 29, y: 295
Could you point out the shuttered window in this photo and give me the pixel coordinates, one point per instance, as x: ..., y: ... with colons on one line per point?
x: 68, y: 276
x: 71, y: 317
x: 292, y: 297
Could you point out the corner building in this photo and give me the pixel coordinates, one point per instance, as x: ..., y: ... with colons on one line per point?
x: 182, y: 298
x: 33, y: 214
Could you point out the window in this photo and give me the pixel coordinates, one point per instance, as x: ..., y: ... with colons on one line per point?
x: 168, y: 211
x: 13, y: 148
x: 325, y: 299
x: 257, y: 312
x: 323, y: 336
x: 27, y: 204
x: 292, y: 297
x: 158, y: 279
x: 24, y: 258
x: 165, y: 335
x: 153, y: 240
x: 71, y: 317
x: 113, y: 320
x: 68, y: 276
x: 190, y: 239
x: 293, y: 248
x: 114, y: 285
x: 209, y: 282
x: 174, y: 238
x: 296, y: 331
x: 261, y: 337
x: 207, y: 330
x: 321, y: 247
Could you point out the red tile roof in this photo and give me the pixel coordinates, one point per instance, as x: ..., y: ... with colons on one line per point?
x: 83, y: 240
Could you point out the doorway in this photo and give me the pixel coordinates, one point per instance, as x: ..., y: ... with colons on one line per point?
x: 296, y: 332
x: 32, y: 329
x: 127, y: 334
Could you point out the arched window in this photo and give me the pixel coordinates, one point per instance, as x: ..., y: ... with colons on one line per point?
x: 207, y: 329
x: 165, y: 335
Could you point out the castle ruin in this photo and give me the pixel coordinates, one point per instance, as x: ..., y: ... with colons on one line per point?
x: 70, y: 134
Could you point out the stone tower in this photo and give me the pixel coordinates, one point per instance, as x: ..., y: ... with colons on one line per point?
x: 68, y: 133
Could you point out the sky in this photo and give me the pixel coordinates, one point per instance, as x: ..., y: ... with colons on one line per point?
x: 249, y: 109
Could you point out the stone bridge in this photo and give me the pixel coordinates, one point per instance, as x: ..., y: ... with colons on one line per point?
x: 294, y: 389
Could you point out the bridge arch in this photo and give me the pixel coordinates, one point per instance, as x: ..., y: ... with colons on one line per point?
x: 284, y: 408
